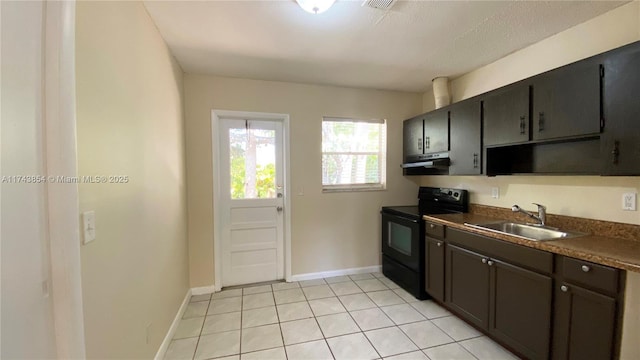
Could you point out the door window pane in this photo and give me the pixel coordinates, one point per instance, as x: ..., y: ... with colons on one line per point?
x: 253, y: 163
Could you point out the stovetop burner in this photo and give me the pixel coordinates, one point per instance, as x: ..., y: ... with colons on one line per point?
x: 434, y: 201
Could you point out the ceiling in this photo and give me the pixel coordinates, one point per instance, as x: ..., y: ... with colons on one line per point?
x: 350, y: 45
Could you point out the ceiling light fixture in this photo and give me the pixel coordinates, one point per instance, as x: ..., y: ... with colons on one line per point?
x: 315, y: 6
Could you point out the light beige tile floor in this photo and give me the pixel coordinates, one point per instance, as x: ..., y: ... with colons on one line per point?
x: 364, y: 316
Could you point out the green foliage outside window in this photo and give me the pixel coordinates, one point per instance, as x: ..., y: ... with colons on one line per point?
x: 243, y: 146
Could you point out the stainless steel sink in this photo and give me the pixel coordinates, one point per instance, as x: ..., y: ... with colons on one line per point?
x: 529, y: 232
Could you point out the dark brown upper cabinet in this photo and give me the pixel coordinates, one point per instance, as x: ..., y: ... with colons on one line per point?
x: 466, y: 125
x: 413, y: 137
x: 425, y: 134
x: 620, y: 142
x: 436, y: 131
x: 579, y: 119
x: 566, y: 101
x: 506, y: 116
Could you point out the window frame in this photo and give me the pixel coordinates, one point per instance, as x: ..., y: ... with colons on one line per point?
x: 381, y: 153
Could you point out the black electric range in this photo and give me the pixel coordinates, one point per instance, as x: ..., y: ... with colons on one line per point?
x: 403, y: 244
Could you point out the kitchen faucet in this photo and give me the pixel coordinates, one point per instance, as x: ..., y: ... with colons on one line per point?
x: 541, y: 217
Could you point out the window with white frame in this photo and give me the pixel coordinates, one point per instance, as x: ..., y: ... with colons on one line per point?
x: 353, y: 154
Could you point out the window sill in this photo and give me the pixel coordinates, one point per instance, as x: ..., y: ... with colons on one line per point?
x: 353, y: 189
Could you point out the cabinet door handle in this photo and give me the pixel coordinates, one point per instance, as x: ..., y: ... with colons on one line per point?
x: 615, y: 152
x: 540, y: 121
x: 490, y: 262
x: 439, y: 244
x: 522, y: 126
x: 564, y: 288
x: 586, y: 268
x: 484, y: 261
x: 419, y: 143
x: 426, y: 143
x: 475, y: 160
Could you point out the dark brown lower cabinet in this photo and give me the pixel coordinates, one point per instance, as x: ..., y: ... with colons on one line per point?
x: 527, y: 299
x: 511, y: 303
x: 584, y: 324
x: 520, y: 309
x: 467, y: 277
x: 435, y: 268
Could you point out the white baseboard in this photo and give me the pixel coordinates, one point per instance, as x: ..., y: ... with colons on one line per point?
x: 203, y: 290
x: 174, y: 326
x: 332, y: 273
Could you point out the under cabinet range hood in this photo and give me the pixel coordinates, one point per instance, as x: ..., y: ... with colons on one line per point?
x: 438, y: 163
x: 427, y: 161
x: 427, y: 164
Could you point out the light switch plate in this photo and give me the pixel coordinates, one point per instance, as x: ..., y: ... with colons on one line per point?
x: 629, y: 201
x: 89, y: 226
x: 495, y: 192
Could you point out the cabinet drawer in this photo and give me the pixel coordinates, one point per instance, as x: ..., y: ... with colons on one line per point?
x: 597, y: 277
x: 534, y: 259
x: 434, y: 230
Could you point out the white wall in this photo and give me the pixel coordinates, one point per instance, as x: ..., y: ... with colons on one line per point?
x: 591, y: 197
x: 27, y: 310
x: 130, y: 123
x: 330, y: 231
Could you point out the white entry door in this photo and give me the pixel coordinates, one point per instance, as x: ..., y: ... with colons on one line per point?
x: 252, y: 201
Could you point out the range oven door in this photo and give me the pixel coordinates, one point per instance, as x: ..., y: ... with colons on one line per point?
x: 400, y: 239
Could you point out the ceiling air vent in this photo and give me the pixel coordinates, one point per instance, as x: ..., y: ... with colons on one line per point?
x: 379, y: 4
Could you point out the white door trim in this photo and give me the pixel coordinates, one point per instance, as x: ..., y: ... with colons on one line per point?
x: 217, y: 191
x: 61, y: 160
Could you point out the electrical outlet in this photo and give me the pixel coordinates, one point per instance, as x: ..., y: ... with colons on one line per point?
x: 629, y: 201
x: 495, y: 192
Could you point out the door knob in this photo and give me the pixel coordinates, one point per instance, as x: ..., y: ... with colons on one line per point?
x: 490, y: 262
x: 564, y: 288
x: 585, y: 268
x: 279, y: 208
x: 484, y: 261
x: 439, y: 244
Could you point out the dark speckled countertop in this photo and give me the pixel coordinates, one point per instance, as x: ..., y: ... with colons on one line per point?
x: 598, y: 247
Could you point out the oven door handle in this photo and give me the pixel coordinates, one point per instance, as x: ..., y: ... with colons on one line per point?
x: 400, y: 217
